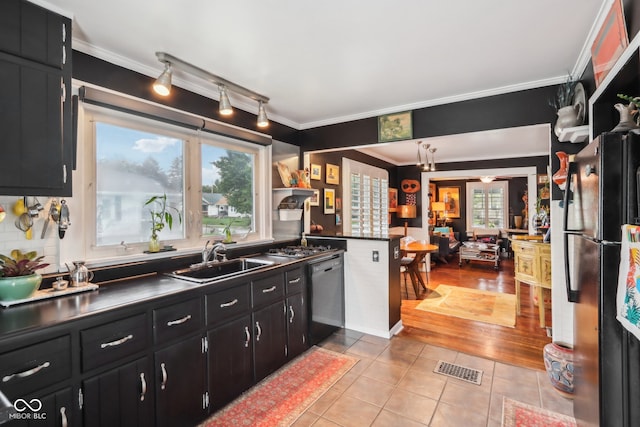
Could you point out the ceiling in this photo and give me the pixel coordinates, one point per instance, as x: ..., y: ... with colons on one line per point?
x: 334, y: 61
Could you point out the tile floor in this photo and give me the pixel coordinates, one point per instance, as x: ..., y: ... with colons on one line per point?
x: 393, y: 384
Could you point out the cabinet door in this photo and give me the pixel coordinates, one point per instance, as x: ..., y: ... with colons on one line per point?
x: 525, y: 267
x: 230, y: 361
x: 296, y: 325
x: 270, y: 339
x: 56, y: 410
x: 121, y: 397
x: 31, y: 117
x: 180, y: 383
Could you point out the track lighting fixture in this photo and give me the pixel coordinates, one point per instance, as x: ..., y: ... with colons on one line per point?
x: 225, y: 105
x: 432, y: 163
x: 163, y: 86
x: 263, y: 120
x: 419, y: 162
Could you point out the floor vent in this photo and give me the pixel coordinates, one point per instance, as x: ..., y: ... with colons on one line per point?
x: 474, y: 376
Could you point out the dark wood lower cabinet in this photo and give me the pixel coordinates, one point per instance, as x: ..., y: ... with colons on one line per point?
x: 296, y: 325
x: 180, y: 374
x: 230, y: 361
x: 269, y: 340
x: 121, y: 396
x: 57, y: 410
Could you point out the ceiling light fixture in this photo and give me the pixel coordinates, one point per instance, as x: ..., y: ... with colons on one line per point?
x: 431, y: 167
x: 224, y: 106
x: 163, y: 86
x: 419, y: 162
x: 487, y: 179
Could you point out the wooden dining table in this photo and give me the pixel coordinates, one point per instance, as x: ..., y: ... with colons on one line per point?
x: 420, y: 248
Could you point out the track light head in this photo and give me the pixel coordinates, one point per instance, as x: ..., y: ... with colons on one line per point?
x: 224, y: 107
x: 162, y: 85
x: 263, y: 120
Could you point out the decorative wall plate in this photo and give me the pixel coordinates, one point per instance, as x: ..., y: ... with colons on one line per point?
x: 580, y: 100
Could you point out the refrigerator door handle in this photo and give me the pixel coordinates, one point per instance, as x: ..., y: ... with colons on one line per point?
x: 572, y: 295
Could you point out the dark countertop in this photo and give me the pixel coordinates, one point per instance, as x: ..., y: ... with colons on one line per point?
x: 388, y: 237
x: 27, y: 317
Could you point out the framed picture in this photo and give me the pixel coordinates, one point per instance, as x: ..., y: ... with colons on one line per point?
x: 338, y: 219
x: 316, y: 172
x: 451, y: 198
x: 314, y: 200
x: 333, y: 174
x: 543, y: 178
x: 393, y: 199
x: 395, y: 127
x: 338, y: 204
x: 610, y: 42
x: 329, y: 201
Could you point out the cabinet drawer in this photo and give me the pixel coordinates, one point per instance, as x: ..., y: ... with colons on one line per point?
x: 267, y: 290
x: 34, y: 367
x: 294, y: 280
x: 177, y: 320
x: 228, y: 303
x: 112, y: 341
x: 524, y: 249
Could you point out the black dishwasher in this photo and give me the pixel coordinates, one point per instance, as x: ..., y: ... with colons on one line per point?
x: 326, y: 296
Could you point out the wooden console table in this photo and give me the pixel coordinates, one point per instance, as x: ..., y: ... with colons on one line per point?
x: 532, y: 265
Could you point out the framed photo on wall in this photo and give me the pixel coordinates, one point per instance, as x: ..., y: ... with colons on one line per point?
x: 395, y: 127
x: 329, y: 201
x: 333, y: 174
x: 451, y: 198
x: 393, y: 199
x: 314, y: 200
x: 316, y: 172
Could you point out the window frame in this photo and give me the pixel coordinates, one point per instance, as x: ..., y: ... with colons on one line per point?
x: 192, y: 179
x: 471, y: 186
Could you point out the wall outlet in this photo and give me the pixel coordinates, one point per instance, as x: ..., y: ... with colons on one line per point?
x: 375, y: 256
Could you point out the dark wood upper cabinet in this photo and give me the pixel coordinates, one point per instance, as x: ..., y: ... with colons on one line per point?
x: 35, y: 108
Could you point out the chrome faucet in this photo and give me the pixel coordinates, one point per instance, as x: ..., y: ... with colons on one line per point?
x: 212, y: 252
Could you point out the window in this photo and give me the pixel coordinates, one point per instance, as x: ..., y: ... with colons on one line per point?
x: 368, y: 192
x: 130, y: 159
x: 487, y: 205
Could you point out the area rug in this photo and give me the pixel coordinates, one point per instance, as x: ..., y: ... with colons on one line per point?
x: 472, y: 304
x: 282, y: 397
x: 518, y: 414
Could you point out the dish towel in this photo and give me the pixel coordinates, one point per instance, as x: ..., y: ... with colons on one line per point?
x: 628, y: 295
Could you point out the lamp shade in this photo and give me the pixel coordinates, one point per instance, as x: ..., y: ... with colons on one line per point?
x: 406, y: 211
x: 437, y: 206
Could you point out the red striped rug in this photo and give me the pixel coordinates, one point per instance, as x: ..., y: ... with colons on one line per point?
x: 518, y: 414
x: 282, y: 397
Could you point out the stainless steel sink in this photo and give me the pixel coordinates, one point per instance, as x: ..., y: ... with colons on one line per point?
x: 213, y: 271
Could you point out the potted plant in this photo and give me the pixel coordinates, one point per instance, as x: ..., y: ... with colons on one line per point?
x: 160, y: 216
x: 18, y: 279
x: 568, y: 113
x: 227, y: 231
x: 627, y: 112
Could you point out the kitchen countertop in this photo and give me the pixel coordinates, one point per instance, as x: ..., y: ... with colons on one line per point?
x: 27, y: 317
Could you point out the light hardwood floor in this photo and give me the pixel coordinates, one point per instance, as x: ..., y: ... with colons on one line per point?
x: 520, y: 346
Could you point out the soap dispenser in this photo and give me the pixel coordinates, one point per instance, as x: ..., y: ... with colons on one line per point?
x: 303, y: 241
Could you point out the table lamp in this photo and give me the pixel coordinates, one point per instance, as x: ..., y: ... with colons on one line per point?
x: 406, y: 211
x: 438, y: 207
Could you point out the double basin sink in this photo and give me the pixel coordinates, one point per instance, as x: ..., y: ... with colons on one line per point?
x: 217, y: 270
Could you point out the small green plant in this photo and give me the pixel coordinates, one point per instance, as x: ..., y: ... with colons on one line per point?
x: 227, y: 231
x: 564, y: 94
x: 160, y: 214
x: 20, y: 264
x: 635, y: 100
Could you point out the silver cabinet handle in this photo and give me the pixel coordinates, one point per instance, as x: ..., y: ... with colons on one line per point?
x: 179, y: 321
x: 248, y: 335
x: 271, y: 289
x: 163, y: 385
x: 117, y: 342
x: 63, y: 417
x: 292, y: 314
x: 143, y: 387
x: 229, y: 304
x: 259, y: 331
x: 296, y: 280
x: 27, y: 373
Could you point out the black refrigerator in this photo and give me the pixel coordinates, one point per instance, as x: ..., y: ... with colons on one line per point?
x: 600, y: 196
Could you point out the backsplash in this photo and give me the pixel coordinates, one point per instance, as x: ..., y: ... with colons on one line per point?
x: 12, y: 238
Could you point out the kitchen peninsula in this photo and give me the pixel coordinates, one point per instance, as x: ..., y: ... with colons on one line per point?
x: 372, y: 282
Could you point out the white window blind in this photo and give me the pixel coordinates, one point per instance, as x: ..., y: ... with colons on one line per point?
x: 487, y: 204
x: 368, y: 193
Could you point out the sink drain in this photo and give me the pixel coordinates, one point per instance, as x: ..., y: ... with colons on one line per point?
x: 474, y: 376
